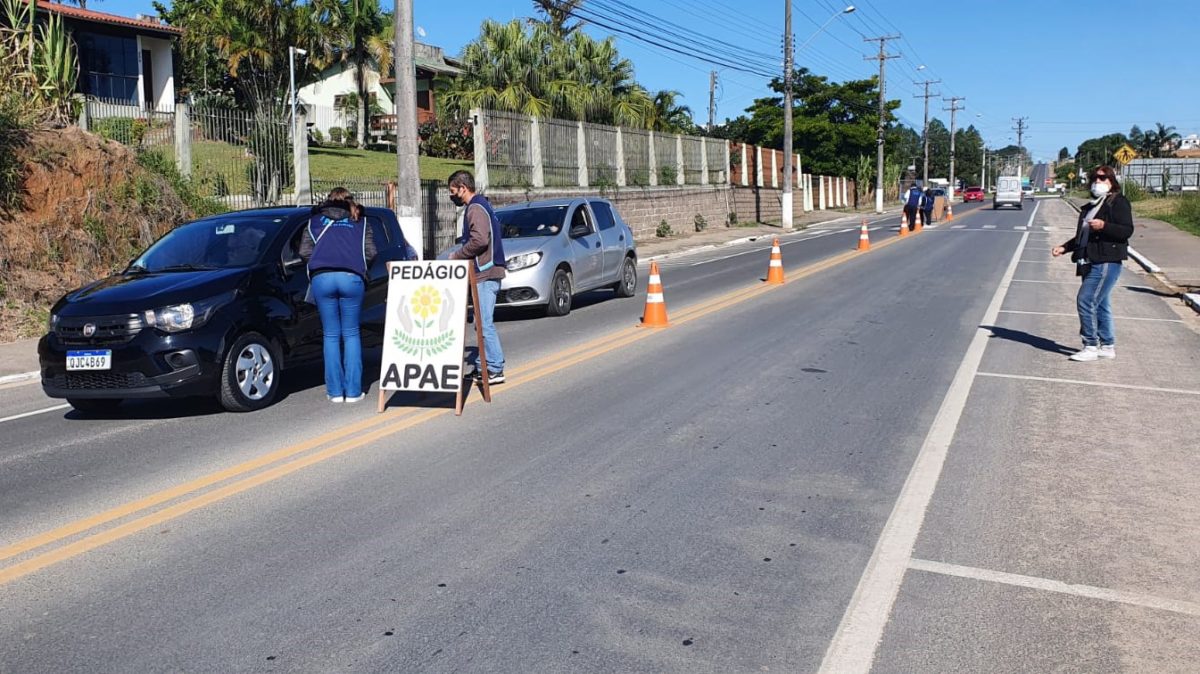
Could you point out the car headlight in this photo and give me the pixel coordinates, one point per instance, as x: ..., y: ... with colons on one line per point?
x: 186, y: 316
x: 523, y: 261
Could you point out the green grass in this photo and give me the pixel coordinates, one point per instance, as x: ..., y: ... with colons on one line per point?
x: 1183, y: 211
x: 332, y: 163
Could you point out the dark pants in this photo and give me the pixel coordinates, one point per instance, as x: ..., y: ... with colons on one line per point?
x: 910, y: 212
x: 928, y: 215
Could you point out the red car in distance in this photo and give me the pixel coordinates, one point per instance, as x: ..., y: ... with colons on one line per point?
x: 973, y: 194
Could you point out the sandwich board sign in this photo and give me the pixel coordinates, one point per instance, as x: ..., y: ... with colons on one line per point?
x: 425, y: 329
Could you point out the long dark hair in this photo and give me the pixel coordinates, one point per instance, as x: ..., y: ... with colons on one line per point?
x: 340, y: 196
x: 1113, y: 183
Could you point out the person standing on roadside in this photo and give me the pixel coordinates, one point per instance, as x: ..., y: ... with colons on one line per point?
x: 914, y: 201
x: 339, y: 248
x: 1100, y: 244
x: 927, y: 208
x: 481, y: 242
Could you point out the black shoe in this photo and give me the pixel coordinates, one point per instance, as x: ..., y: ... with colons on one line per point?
x: 493, y: 377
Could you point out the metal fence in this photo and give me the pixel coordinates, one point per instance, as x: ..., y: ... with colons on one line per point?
x: 241, y: 158
x: 576, y: 154
x: 1159, y: 175
x: 129, y: 124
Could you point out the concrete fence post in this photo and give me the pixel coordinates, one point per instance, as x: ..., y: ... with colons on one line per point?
x: 581, y: 145
x: 845, y: 192
x: 680, y: 177
x: 821, y: 196
x: 303, y: 185
x: 745, y: 166
x: 808, y: 196
x: 758, y: 167
x: 479, y: 124
x: 535, y: 150
x: 620, y: 158
x: 727, y: 177
x: 653, y: 162
x: 703, y: 162
x: 183, y: 140
x: 774, y: 170
x: 83, y: 122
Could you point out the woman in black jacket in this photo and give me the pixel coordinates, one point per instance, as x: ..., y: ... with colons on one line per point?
x: 1100, y: 244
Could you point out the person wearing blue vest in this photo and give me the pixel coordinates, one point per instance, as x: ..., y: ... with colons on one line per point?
x: 914, y: 201
x: 481, y: 242
x: 338, y: 246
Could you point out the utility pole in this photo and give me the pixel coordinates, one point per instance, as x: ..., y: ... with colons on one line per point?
x: 883, y: 58
x: 925, y: 129
x: 983, y: 170
x: 712, y: 98
x: 787, y: 117
x: 953, y: 101
x: 408, y: 177
x: 1020, y: 128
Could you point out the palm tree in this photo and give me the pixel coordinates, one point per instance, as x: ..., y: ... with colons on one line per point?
x: 668, y: 115
x: 1167, y: 139
x: 358, y: 29
x: 558, y: 12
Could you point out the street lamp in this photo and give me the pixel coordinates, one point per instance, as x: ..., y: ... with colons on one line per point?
x: 292, y: 93
x: 788, y: 180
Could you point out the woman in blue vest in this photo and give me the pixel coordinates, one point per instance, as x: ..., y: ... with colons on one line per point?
x: 338, y: 246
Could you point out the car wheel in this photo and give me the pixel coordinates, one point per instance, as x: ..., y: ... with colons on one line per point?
x: 560, y: 294
x: 627, y: 286
x: 250, y: 376
x: 95, y: 405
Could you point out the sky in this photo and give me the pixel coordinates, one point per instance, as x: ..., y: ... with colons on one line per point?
x: 1073, y: 69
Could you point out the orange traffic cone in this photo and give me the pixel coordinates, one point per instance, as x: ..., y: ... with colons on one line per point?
x: 920, y: 220
x: 775, y: 268
x: 864, y: 241
x: 655, y: 315
x: 904, y: 225
x: 949, y: 212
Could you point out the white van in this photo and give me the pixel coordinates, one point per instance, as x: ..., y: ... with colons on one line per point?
x: 1008, y: 192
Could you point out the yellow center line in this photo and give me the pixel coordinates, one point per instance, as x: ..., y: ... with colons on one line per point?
x: 534, y: 371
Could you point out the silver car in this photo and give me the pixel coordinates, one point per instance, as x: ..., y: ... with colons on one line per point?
x: 559, y: 248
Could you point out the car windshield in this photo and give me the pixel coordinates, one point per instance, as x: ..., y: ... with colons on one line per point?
x: 523, y: 223
x: 216, y: 243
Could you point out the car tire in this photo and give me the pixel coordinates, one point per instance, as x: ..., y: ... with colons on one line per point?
x: 561, y: 289
x: 250, y: 374
x: 627, y: 286
x: 95, y: 405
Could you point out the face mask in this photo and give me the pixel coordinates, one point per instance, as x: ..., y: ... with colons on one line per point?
x: 1100, y: 189
x: 456, y: 200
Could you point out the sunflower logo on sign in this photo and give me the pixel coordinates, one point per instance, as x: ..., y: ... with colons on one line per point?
x: 424, y: 319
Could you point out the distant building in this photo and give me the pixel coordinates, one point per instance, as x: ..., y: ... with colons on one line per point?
x: 124, y: 60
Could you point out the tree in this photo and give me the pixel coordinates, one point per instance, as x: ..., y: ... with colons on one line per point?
x: 359, y: 34
x: 968, y: 155
x: 517, y: 67
x: 1097, y: 151
x: 1065, y: 154
x: 668, y: 115
x: 199, y: 69
x: 1159, y: 141
x: 557, y: 13
x: 82, y: 3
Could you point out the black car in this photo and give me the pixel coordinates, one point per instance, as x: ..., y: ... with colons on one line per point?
x: 214, y: 307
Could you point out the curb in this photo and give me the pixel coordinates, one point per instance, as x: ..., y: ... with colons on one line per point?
x: 15, y: 378
x: 1192, y: 300
x: 1144, y: 261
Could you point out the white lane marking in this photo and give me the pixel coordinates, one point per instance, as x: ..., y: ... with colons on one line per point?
x: 858, y: 635
x: 1035, y: 583
x: 23, y: 376
x: 1029, y: 280
x: 989, y: 226
x: 1102, y: 384
x: 1122, y: 318
x: 1020, y: 228
x: 35, y: 412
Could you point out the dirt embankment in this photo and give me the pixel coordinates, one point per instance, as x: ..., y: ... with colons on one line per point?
x: 88, y: 206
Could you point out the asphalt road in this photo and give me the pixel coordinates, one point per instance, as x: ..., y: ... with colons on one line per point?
x: 704, y: 497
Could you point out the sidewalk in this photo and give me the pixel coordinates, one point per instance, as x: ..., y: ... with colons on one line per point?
x: 1169, y: 254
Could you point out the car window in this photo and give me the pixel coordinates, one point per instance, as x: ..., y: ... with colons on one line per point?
x: 378, y: 232
x: 604, y: 215
x: 219, y: 243
x: 520, y: 223
x: 582, y: 219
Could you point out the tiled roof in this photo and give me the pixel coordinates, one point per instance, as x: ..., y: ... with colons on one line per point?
x: 111, y: 19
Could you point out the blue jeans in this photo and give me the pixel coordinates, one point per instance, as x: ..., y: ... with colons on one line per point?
x: 1095, y: 305
x: 491, y: 339
x: 339, y: 298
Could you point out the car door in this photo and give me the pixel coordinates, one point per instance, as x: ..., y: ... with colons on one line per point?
x: 302, y: 329
x: 587, y: 249
x: 612, y: 239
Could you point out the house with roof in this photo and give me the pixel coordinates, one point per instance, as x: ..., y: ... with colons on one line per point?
x: 324, y: 97
x: 124, y: 60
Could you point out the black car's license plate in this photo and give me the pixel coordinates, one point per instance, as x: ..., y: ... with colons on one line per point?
x: 96, y: 359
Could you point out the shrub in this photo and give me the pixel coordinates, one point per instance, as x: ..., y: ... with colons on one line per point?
x: 731, y: 219
x: 158, y: 162
x: 664, y: 230
x: 700, y: 222
x: 1187, y: 213
x: 666, y: 175
x: 447, y: 138
x: 335, y: 135
x: 124, y: 130
x: 638, y: 178
x: 1133, y: 191
x: 212, y: 113
x: 350, y: 136
x: 317, y: 136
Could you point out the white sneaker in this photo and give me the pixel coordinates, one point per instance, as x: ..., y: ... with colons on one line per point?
x: 1086, y: 354
x: 1107, y: 351
x: 356, y: 398
x: 337, y: 399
